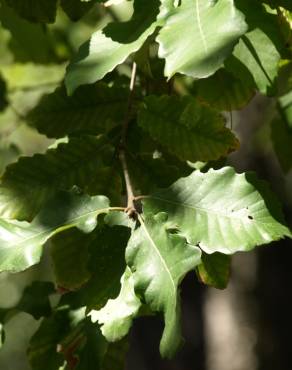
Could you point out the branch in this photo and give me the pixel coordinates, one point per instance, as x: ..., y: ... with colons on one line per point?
x: 131, y: 210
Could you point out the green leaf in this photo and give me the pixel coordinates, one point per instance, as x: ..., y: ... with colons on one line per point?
x: 111, y: 46
x: 106, y: 264
x: 29, y: 41
x: 117, y: 315
x: 35, y: 10
x: 285, y: 105
x: 224, y: 91
x: 93, y: 349
x: 186, y: 128
x: 276, y: 3
x: 76, y: 9
x: 3, y: 98
x: 115, y: 356
x: 215, y: 270
x: 282, y: 141
x: 256, y: 57
x: 28, y: 184
x: 160, y: 259
x: 21, y: 243
x: 74, y: 266
x: 198, y: 36
x: 35, y: 299
x: 92, y: 109
x: 221, y: 211
x: 42, y: 350
x: 69, y: 259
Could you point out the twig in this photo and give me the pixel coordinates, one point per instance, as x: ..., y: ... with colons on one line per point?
x: 131, y: 210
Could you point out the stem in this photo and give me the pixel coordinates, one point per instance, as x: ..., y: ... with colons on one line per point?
x: 131, y: 210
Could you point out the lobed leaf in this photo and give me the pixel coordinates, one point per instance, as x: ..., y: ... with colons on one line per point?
x: 198, y: 36
x: 224, y: 91
x: 92, y: 109
x: 28, y: 184
x: 184, y: 127
x: 105, y: 249
x: 221, y: 211
x: 111, y: 46
x: 256, y: 57
x: 159, y: 260
x: 21, y: 243
x: 117, y: 315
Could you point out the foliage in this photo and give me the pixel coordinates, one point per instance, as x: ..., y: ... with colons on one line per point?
x: 117, y: 195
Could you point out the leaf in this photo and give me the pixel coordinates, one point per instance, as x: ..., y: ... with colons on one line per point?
x: 42, y: 351
x: 115, y: 356
x: 186, y: 128
x: 160, y: 259
x: 285, y: 106
x: 92, y: 109
x: 256, y: 57
x: 111, y: 46
x: 75, y: 256
x: 106, y: 264
x: 221, y: 211
x: 35, y: 299
x: 3, y: 98
x: 198, y: 36
x: 91, y: 353
x: 282, y: 141
x: 215, y: 270
x: 117, y: 315
x: 76, y: 9
x: 276, y: 3
x: 35, y: 10
x: 21, y: 243
x: 28, y: 184
x: 70, y: 257
x: 29, y: 42
x: 224, y: 92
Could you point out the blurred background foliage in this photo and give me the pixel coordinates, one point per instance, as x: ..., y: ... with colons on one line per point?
x: 247, y: 326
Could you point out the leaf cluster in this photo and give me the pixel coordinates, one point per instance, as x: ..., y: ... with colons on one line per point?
x: 132, y: 192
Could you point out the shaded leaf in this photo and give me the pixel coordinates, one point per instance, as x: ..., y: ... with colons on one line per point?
x: 198, y: 36
x: 276, y: 3
x: 224, y: 91
x: 186, y: 128
x: 35, y: 10
x: 93, y: 349
x: 3, y: 98
x: 221, y: 211
x: 28, y: 184
x: 285, y: 105
x: 256, y: 57
x: 42, y: 351
x: 70, y: 256
x: 282, y: 141
x: 29, y: 41
x: 215, y: 270
x: 92, y: 109
x: 106, y: 246
x: 35, y: 299
x: 115, y: 356
x: 21, y: 243
x: 160, y: 259
x: 76, y: 9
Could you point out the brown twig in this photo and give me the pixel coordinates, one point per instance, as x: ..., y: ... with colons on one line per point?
x: 131, y: 210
